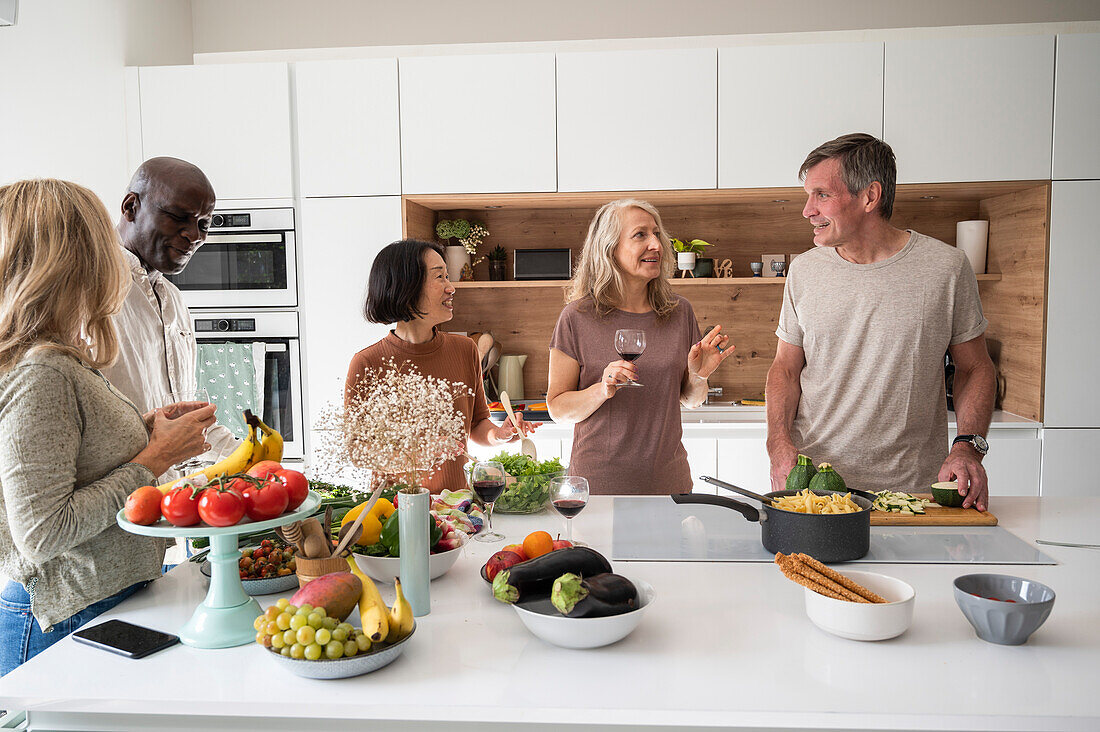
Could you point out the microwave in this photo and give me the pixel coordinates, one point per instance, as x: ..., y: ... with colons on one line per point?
x: 542, y: 264
x: 248, y: 260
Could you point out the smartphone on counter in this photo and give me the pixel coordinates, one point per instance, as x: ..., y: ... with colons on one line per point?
x: 125, y: 639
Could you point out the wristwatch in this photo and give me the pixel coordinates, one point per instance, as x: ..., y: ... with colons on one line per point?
x: 977, y: 441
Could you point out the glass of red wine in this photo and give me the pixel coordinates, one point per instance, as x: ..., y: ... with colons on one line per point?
x: 487, y: 480
x: 630, y: 344
x: 568, y: 495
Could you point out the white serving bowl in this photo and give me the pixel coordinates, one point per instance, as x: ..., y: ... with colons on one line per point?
x: 587, y: 632
x: 385, y: 569
x: 865, y: 621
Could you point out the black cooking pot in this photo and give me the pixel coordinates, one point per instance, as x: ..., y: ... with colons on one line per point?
x: 829, y: 537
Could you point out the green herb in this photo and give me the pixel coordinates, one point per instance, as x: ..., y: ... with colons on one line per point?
x: 532, y: 487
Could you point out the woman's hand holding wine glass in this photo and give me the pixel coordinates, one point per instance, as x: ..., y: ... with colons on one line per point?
x: 629, y: 344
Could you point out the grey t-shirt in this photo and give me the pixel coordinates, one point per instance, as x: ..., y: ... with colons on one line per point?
x: 633, y: 442
x: 873, y: 401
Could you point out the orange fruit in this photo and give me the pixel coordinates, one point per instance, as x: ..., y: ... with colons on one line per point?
x: 537, y: 543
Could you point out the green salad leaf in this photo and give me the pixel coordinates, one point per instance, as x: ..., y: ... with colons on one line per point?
x: 531, y: 489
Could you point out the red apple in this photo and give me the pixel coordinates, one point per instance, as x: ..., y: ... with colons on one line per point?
x: 517, y: 549
x: 562, y: 544
x: 500, y: 561
x: 264, y: 468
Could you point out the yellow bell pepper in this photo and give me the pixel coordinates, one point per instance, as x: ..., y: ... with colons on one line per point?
x: 372, y: 522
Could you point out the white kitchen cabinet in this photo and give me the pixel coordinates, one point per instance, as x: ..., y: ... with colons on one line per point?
x: 637, y: 120
x: 1013, y: 463
x: 773, y: 110
x: 969, y: 109
x: 232, y: 120
x: 339, y: 238
x: 743, y: 460
x: 703, y: 460
x: 478, y: 124
x: 1063, y: 453
x: 1077, y: 107
x: 349, y: 141
x: 1073, y: 307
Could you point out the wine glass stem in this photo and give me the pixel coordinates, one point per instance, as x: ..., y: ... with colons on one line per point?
x: 569, y: 530
x: 489, y: 514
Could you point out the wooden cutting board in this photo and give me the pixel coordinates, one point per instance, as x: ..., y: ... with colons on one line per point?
x: 935, y: 516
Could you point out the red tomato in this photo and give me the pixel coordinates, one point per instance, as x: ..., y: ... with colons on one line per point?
x: 219, y: 506
x: 296, y: 487
x: 181, y: 506
x: 264, y: 500
x: 264, y: 468
x: 143, y: 506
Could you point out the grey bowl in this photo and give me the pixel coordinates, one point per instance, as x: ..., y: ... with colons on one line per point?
x: 999, y: 621
x: 265, y: 586
x: 342, y: 668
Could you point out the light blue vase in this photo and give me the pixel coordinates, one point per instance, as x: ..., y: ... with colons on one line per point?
x: 412, y: 522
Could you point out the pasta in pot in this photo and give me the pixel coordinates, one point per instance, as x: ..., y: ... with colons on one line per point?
x: 807, y: 502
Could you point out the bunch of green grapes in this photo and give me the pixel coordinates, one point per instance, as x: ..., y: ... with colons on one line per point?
x: 307, y: 632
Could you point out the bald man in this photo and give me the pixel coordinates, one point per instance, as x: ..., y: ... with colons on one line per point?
x: 165, y: 216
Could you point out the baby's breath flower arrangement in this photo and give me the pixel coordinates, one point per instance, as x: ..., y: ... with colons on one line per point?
x: 399, y: 425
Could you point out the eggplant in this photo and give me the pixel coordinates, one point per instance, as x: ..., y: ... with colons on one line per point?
x: 593, y: 597
x: 536, y: 576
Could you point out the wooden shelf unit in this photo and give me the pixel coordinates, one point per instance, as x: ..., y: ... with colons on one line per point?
x: 742, y: 225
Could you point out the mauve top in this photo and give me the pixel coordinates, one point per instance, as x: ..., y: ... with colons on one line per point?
x: 632, y: 444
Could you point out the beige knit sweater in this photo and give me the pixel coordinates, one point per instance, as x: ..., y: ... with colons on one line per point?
x: 65, y: 438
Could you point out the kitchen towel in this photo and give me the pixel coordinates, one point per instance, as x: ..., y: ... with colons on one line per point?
x: 230, y: 374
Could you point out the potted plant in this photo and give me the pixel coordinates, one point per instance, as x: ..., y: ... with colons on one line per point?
x: 497, y: 261
x: 686, y: 252
x: 455, y: 255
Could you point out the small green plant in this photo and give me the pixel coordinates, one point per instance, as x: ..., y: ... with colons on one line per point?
x: 498, y: 254
x: 695, y: 245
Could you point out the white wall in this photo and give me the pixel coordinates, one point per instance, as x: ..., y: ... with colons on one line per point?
x: 61, y: 85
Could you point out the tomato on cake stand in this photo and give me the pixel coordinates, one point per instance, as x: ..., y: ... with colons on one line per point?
x: 224, y: 619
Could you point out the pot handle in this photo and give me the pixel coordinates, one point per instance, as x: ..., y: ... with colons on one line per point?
x: 749, y: 512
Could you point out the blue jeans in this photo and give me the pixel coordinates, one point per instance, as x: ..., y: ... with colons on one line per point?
x: 21, y: 638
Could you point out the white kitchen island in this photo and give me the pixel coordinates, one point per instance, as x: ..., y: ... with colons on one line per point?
x: 725, y: 645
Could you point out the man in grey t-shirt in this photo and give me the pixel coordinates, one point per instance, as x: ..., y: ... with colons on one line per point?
x: 857, y: 379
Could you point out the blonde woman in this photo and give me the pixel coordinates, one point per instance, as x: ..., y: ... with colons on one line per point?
x: 71, y: 446
x: 628, y: 440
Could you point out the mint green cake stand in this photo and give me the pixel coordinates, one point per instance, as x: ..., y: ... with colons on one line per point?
x: 225, y: 617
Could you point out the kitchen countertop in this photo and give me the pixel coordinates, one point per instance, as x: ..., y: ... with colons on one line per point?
x: 723, y: 645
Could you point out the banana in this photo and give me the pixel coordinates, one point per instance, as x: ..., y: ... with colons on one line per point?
x: 401, y: 615
x: 373, y: 613
x: 240, y: 460
x: 271, y: 443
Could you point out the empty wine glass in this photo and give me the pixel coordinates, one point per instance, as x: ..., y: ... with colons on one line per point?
x: 630, y: 344
x: 568, y: 496
x: 778, y: 266
x: 168, y: 404
x: 487, y: 480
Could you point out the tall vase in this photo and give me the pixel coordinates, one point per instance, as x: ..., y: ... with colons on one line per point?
x: 456, y: 258
x: 412, y: 522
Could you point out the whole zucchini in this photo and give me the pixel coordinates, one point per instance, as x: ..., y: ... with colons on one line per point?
x: 801, y: 474
x: 593, y: 597
x: 536, y: 576
x: 827, y: 479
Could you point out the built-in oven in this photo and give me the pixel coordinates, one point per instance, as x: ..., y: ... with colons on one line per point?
x: 248, y: 260
x: 252, y: 360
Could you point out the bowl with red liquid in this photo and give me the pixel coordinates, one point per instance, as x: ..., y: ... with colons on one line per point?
x: 1002, y: 608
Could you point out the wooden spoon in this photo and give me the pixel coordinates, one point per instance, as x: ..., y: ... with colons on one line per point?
x: 315, y: 545
x: 484, y: 345
x: 526, y: 446
x: 355, y: 529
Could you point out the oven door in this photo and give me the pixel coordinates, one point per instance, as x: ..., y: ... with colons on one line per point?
x: 265, y: 377
x: 241, y: 270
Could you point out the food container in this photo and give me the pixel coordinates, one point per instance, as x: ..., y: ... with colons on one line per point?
x: 311, y: 569
x: 865, y: 621
x: 343, y: 668
x: 385, y: 569
x: 525, y: 493
x: 1019, y: 608
x: 543, y: 620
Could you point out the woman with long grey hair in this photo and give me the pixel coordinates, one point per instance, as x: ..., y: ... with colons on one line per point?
x: 628, y: 440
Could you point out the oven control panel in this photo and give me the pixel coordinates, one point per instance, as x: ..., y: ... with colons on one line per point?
x: 225, y: 325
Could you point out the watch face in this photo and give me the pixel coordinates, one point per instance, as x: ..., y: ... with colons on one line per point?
x: 981, y: 444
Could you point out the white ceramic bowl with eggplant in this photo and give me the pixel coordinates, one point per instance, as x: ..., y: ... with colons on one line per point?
x: 546, y: 622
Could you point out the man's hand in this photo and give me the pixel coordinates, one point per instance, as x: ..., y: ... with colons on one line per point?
x: 963, y: 464
x: 783, y: 458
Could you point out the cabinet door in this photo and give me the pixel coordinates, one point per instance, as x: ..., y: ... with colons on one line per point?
x: 703, y: 460
x: 339, y: 239
x: 233, y: 121
x: 637, y: 120
x: 1077, y: 107
x: 1073, y: 307
x: 743, y: 461
x: 477, y: 124
x: 1063, y: 453
x: 348, y: 136
x: 970, y: 109
x: 1013, y: 462
x: 771, y: 113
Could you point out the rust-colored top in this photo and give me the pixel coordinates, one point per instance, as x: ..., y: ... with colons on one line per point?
x: 445, y: 356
